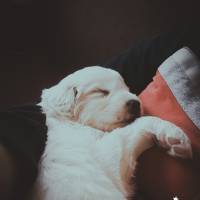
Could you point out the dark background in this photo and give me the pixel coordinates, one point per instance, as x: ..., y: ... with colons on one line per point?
x: 42, y: 40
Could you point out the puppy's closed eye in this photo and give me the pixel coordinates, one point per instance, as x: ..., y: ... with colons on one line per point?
x: 101, y: 91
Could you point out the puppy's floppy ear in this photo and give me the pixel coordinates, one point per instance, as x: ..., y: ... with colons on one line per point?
x: 59, y: 100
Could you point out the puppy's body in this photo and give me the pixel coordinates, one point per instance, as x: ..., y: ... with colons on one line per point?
x: 87, y: 157
x: 71, y: 168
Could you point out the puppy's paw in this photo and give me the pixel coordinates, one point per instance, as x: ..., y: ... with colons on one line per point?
x: 175, y: 141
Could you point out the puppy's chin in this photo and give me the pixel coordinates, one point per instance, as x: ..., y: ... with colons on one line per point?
x: 126, y: 121
x: 110, y: 127
x: 105, y: 127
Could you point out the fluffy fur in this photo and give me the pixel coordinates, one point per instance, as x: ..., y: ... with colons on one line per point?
x: 91, y: 151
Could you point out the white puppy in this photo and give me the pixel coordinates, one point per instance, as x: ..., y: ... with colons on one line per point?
x: 90, y: 154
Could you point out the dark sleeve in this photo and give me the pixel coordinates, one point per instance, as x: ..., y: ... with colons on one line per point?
x: 139, y: 63
x: 23, y: 133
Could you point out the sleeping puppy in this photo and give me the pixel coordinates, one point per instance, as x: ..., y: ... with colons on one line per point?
x: 95, y: 136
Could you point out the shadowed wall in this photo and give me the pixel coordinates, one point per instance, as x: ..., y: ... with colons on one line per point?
x: 42, y: 41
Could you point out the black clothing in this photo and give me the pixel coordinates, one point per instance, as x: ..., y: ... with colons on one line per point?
x: 138, y: 64
x: 23, y: 133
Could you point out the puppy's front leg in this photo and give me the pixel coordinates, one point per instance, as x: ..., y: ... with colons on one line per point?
x: 167, y: 135
x: 147, y: 131
x: 126, y: 144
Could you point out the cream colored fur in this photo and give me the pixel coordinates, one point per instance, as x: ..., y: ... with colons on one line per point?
x: 91, y: 153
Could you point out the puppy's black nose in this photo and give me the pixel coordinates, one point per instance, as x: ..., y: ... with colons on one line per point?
x: 133, y: 107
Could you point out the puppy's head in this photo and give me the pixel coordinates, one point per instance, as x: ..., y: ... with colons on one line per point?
x: 94, y: 96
